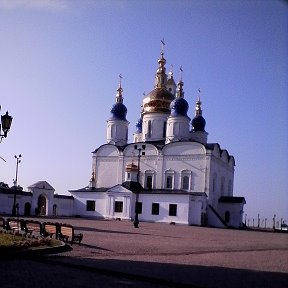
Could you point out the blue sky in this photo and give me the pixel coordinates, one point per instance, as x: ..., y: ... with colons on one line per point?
x: 60, y: 62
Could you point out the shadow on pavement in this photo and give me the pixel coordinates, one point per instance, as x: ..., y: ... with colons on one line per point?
x: 175, y: 274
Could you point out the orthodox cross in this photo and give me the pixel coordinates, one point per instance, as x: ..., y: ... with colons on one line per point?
x: 181, y: 72
x: 162, y: 45
x: 120, y: 79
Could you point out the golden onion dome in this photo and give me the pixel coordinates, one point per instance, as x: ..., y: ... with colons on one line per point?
x: 158, y: 100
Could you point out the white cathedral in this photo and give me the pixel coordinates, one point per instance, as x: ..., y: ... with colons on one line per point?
x: 169, y: 173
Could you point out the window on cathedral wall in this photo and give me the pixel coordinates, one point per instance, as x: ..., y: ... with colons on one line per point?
x: 149, y: 182
x: 186, y: 179
x: 149, y: 179
x: 169, y: 182
x: 149, y: 129
x: 172, y: 209
x: 169, y: 179
x: 185, y: 182
x: 155, y: 209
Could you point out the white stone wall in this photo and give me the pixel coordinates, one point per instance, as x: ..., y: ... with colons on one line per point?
x: 213, y: 220
x: 7, y: 200
x: 182, y: 202
x: 197, y: 209
x: 235, y: 211
x: 110, y: 164
x: 189, y: 156
x: 64, y: 207
x: 221, y: 177
x: 80, y: 204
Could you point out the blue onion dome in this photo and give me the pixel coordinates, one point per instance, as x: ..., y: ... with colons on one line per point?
x: 179, y: 107
x: 198, y: 123
x: 119, y: 112
x: 139, y: 125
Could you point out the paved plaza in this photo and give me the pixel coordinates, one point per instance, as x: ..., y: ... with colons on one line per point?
x: 115, y: 254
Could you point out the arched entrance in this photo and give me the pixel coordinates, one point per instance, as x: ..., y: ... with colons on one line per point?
x: 27, y: 209
x: 42, y: 205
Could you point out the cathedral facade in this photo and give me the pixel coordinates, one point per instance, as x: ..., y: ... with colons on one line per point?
x: 169, y: 173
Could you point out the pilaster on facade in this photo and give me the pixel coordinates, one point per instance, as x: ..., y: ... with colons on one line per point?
x: 120, y: 169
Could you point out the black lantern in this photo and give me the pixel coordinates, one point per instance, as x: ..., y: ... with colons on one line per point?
x: 6, y: 121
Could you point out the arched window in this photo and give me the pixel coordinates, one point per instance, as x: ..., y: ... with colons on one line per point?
x: 169, y: 182
x: 185, y: 183
x: 149, y: 179
x: 149, y: 129
x: 149, y: 182
x: 169, y: 179
x: 186, y: 180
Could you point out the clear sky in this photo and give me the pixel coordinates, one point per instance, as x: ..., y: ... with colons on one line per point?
x: 59, y: 67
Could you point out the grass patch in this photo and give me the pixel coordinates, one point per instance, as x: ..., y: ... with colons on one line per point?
x: 16, y: 242
x: 8, y: 240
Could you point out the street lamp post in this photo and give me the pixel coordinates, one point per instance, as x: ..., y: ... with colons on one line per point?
x: 6, y: 121
x: 15, y: 184
x: 140, y: 153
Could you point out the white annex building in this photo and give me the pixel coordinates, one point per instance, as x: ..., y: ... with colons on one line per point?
x: 169, y: 173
